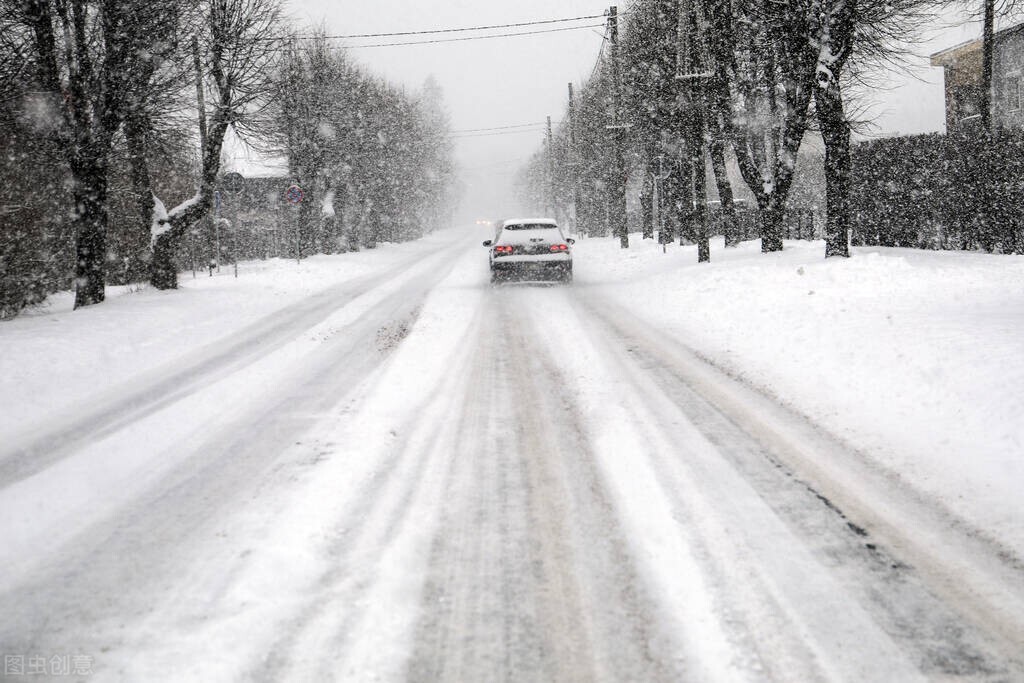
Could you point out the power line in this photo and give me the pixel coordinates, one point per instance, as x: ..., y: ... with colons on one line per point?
x: 440, y: 40
x: 457, y: 40
x: 501, y: 132
x: 480, y: 130
x: 457, y: 30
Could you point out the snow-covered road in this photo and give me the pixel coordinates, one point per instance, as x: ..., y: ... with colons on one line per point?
x: 412, y: 475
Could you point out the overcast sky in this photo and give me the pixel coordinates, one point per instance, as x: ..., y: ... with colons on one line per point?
x: 521, y: 80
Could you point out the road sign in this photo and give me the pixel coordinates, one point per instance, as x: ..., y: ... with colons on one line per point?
x: 294, y: 194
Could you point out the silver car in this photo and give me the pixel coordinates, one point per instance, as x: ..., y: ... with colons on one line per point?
x: 530, y: 249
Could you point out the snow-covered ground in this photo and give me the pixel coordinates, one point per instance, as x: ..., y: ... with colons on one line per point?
x: 377, y: 466
x: 915, y: 357
x: 54, y: 358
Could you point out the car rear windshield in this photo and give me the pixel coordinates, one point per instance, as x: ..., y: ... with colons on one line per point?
x: 531, y: 226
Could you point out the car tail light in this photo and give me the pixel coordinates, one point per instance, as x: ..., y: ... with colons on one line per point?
x: 503, y: 249
x: 559, y: 247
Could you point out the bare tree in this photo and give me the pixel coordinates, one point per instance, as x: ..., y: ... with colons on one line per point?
x: 369, y: 155
x: 719, y: 42
x: 239, y: 41
x: 834, y: 33
x: 87, y: 57
x: 309, y: 101
x: 158, y: 71
x: 771, y: 81
x: 81, y: 82
x: 851, y: 37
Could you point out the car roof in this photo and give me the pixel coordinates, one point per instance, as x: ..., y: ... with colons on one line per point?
x: 535, y: 221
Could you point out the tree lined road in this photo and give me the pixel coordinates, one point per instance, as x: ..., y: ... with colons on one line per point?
x: 423, y: 477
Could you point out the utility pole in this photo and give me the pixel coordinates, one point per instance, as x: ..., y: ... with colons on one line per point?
x: 617, y: 184
x: 551, y: 172
x: 573, y: 171
x: 689, y: 65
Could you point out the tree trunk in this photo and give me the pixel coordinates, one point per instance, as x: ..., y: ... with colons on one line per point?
x: 90, y: 227
x: 684, y: 201
x: 309, y: 222
x: 698, y: 170
x: 647, y: 207
x: 699, y: 213
x: 163, y: 269
x: 772, y: 211
x: 835, y: 131
x: 672, y: 207
x: 135, y: 129
x: 727, y: 202
x: 718, y: 98
x: 340, y: 207
x: 163, y: 273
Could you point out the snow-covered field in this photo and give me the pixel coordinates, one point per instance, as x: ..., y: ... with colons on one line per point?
x: 375, y: 465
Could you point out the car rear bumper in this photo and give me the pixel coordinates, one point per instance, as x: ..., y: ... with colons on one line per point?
x: 532, y: 269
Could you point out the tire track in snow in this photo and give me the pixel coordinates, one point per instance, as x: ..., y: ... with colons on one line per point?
x: 363, y: 608
x: 112, y: 573
x: 501, y: 605
x: 386, y: 521
x: 930, y: 634
x: 530, y: 579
